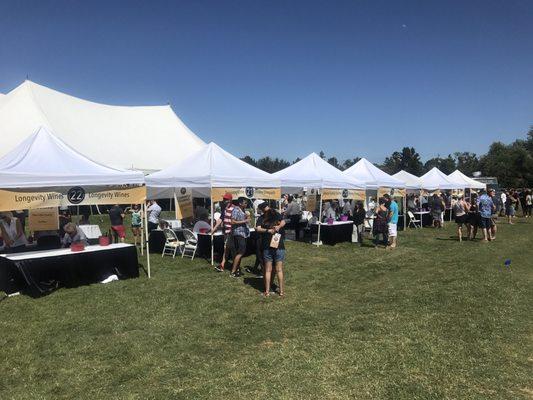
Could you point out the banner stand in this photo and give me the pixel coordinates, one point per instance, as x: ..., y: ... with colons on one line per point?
x: 212, y: 226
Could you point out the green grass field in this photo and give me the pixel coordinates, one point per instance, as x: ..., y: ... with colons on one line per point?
x: 433, y: 319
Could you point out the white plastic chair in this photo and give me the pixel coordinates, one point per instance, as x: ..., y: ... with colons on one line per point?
x: 413, y: 222
x: 191, y: 244
x: 172, y: 243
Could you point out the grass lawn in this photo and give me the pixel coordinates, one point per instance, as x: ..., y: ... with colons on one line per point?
x: 433, y: 319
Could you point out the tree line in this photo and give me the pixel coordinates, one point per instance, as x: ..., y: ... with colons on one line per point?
x: 511, y: 163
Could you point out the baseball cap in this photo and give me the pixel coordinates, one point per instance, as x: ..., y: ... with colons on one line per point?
x: 227, y: 196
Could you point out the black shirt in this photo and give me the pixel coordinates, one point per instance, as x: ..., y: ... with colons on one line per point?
x: 359, y: 216
x: 115, y: 215
x: 267, y: 237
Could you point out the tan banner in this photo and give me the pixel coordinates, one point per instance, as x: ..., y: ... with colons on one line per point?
x: 184, y: 207
x: 310, y: 205
x: 337, y: 194
x: 248, y: 192
x: 20, y: 199
x: 391, y: 191
x: 43, y: 219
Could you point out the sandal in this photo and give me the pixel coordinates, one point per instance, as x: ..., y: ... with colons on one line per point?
x: 265, y: 294
x: 281, y: 294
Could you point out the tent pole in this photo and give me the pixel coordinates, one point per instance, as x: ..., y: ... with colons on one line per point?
x: 175, y: 205
x: 319, y: 221
x: 405, y: 211
x: 146, y: 241
x: 212, y: 225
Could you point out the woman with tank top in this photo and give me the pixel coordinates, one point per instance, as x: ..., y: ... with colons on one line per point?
x: 460, y: 209
x: 12, y: 232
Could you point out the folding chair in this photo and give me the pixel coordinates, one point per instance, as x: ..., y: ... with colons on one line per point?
x: 191, y: 244
x: 172, y: 244
x: 413, y: 222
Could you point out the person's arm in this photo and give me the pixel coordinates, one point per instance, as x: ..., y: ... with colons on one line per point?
x: 20, y: 232
x: 280, y: 225
x: 5, y: 236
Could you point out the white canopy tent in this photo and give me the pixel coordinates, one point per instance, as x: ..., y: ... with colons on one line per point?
x: 209, y: 168
x: 410, y: 181
x: 146, y: 138
x: 435, y: 179
x: 466, y: 182
x: 43, y: 164
x: 374, y: 178
x: 313, y: 172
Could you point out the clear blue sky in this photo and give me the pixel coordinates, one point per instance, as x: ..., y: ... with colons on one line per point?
x: 352, y: 78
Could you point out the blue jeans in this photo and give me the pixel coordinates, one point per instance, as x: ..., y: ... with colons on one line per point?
x: 274, y: 255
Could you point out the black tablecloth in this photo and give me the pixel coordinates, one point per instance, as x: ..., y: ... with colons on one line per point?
x: 39, y: 276
x: 204, y: 246
x: 332, y: 234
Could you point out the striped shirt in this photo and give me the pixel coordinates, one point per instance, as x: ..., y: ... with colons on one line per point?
x: 227, y: 218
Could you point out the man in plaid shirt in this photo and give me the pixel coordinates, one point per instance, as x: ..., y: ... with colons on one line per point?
x: 241, y: 232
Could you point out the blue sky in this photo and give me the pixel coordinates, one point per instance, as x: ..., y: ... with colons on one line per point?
x: 284, y: 78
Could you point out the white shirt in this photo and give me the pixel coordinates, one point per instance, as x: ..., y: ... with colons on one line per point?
x: 154, y: 211
x: 11, y: 231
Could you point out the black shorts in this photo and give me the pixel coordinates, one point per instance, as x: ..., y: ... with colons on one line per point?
x: 462, y: 219
x: 485, y: 223
x: 240, y: 245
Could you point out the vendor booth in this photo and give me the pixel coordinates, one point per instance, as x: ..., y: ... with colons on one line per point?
x: 380, y: 181
x: 210, y: 173
x: 44, y: 173
x: 321, y: 181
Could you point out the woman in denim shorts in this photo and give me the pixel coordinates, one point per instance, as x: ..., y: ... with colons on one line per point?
x: 269, y: 225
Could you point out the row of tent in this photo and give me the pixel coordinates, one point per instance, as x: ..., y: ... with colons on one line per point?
x: 43, y: 160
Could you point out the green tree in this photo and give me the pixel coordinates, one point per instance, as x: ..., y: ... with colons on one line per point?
x: 446, y: 165
x: 467, y: 162
x: 333, y: 161
x: 407, y: 159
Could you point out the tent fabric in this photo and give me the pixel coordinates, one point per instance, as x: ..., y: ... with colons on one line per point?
x: 209, y: 167
x: 435, y: 179
x: 43, y: 160
x: 410, y: 181
x: 467, y: 182
x: 146, y: 138
x: 314, y: 173
x: 363, y: 170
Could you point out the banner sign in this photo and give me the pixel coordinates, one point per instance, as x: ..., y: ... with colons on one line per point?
x: 310, y: 204
x: 21, y: 199
x: 247, y: 192
x: 43, y: 219
x: 337, y: 194
x: 391, y: 191
x: 184, y: 207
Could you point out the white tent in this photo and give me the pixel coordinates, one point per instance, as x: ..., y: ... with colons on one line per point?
x: 374, y: 178
x: 207, y: 168
x: 435, y: 179
x: 43, y: 160
x: 410, y: 181
x: 146, y: 138
x: 466, y: 182
x: 313, y: 172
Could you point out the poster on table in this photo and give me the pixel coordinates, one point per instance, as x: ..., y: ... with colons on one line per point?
x: 393, y: 192
x: 21, y: 199
x: 337, y: 194
x: 43, y: 219
x: 184, y: 206
x: 248, y: 192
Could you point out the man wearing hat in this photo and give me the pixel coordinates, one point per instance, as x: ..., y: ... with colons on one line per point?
x: 229, y: 245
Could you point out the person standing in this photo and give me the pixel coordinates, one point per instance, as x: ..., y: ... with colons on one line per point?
x: 473, y: 220
x: 241, y: 232
x: 12, y: 232
x: 503, y: 198
x: 154, y: 211
x: 116, y: 216
x: 510, y: 207
x: 392, y: 220
x: 294, y: 214
x: 229, y: 243
x: 529, y: 203
x: 136, y: 223
x: 437, y: 208
x: 380, y: 225
x: 460, y: 209
x: 486, y: 208
x: 271, y: 229
x: 358, y: 218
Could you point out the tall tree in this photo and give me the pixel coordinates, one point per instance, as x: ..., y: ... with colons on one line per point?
x: 408, y: 160
x: 333, y: 161
x: 446, y: 165
x: 467, y: 162
x: 349, y: 162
